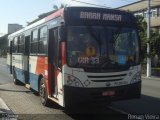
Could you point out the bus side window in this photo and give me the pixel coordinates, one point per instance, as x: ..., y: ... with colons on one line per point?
x: 34, y: 42
x: 54, y: 47
x: 42, y: 43
x: 15, y: 45
x: 21, y: 44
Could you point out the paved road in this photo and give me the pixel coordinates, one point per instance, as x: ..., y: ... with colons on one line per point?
x: 149, y: 102
x: 4, y: 77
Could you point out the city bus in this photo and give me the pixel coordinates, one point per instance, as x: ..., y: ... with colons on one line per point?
x: 77, y: 55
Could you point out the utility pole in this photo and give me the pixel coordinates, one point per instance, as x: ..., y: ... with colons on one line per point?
x: 148, y: 43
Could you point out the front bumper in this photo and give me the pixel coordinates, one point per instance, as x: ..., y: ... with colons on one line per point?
x: 76, y: 95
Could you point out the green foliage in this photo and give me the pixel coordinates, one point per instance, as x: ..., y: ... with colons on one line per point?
x: 141, y: 23
x: 154, y: 39
x: 155, y: 43
x: 3, y: 45
x: 55, y: 7
x: 142, y: 27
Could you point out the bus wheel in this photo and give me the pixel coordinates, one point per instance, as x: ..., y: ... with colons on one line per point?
x: 16, y: 82
x: 43, y: 93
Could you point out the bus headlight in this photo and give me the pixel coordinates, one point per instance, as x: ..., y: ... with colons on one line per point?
x: 136, y: 78
x: 73, y: 81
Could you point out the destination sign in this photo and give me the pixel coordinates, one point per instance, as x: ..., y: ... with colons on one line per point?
x: 100, y: 16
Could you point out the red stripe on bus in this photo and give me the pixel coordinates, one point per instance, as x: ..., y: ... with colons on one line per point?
x: 63, y: 45
x: 58, y: 13
x: 40, y: 67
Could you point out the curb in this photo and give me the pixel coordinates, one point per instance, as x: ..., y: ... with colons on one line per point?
x: 3, y: 106
x: 154, y: 78
x: 5, y: 112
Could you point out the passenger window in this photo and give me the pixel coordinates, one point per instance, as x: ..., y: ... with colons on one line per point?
x: 15, y: 45
x: 34, y: 42
x: 21, y: 44
x: 42, y: 43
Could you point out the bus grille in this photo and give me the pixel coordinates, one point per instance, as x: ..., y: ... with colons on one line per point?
x: 107, y: 78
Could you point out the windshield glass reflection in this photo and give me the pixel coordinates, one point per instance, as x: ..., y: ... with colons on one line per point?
x: 102, y: 47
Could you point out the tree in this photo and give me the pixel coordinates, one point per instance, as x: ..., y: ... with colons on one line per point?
x: 3, y: 45
x: 154, y: 39
x: 142, y: 27
x: 55, y: 7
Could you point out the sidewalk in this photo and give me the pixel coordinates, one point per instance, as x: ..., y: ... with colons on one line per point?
x: 5, y: 112
x: 152, y: 77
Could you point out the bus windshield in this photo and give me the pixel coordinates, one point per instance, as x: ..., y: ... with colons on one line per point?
x: 102, y: 47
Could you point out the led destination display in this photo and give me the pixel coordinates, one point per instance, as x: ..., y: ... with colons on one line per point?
x: 96, y: 16
x: 99, y: 16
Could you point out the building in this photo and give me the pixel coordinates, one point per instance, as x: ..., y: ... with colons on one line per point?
x: 4, y: 38
x: 13, y: 28
x: 141, y: 8
x: 3, y: 45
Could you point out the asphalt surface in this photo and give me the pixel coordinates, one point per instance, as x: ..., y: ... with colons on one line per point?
x: 28, y: 106
x: 4, y: 76
x: 149, y: 102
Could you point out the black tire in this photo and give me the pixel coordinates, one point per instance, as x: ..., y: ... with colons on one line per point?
x: 43, y: 93
x: 16, y: 82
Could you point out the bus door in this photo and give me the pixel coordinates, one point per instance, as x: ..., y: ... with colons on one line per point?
x: 10, y: 55
x: 52, y: 61
x: 26, y: 61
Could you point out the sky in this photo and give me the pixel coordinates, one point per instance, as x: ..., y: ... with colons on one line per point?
x: 23, y: 11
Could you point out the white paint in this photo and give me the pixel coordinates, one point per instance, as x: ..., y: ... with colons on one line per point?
x: 3, y: 105
x: 46, y: 72
x: 35, y: 24
x: 83, y: 76
x: 28, y: 27
x: 60, y: 87
x: 148, y: 67
x: 33, y: 64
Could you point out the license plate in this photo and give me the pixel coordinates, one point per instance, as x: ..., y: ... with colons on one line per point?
x: 108, y: 93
